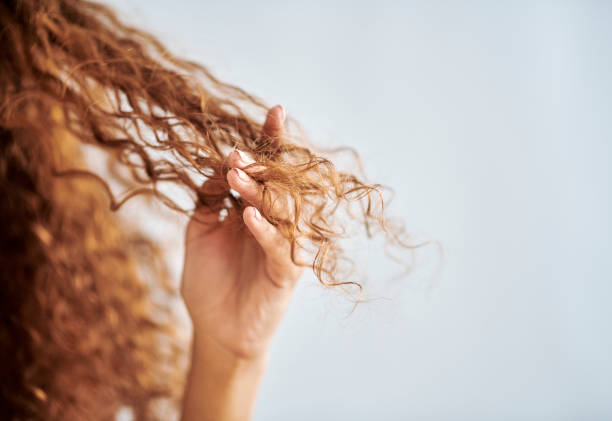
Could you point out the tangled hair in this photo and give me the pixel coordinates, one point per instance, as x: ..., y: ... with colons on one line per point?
x: 79, y: 326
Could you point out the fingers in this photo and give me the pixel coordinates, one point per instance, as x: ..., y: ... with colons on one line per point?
x: 252, y: 191
x: 273, y: 127
x: 275, y: 120
x: 249, y: 189
x: 239, y: 159
x: 242, y: 164
x: 275, y: 246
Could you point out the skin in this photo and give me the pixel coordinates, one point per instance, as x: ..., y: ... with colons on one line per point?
x: 237, y: 285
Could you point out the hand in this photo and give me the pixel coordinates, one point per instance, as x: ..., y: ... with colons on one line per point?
x: 237, y: 283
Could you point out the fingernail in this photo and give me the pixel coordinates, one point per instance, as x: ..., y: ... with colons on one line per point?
x: 246, y: 160
x: 256, y: 213
x: 283, y: 114
x: 241, y: 174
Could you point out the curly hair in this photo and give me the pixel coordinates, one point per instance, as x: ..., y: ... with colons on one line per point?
x: 80, y: 333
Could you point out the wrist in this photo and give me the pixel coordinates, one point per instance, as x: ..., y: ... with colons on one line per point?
x: 224, y: 361
x: 221, y: 385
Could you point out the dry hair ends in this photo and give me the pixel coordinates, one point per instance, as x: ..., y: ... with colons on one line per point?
x: 80, y: 335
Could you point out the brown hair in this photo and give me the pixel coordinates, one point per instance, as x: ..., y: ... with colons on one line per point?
x: 80, y: 335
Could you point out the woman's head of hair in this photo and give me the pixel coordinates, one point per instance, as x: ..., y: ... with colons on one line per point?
x: 76, y: 302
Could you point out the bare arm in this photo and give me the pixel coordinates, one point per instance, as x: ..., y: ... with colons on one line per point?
x: 221, y: 386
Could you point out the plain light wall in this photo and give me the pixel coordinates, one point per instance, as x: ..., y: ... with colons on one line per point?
x: 492, y: 122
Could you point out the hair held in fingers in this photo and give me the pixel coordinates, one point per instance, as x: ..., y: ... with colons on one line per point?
x: 169, y: 120
x: 75, y: 77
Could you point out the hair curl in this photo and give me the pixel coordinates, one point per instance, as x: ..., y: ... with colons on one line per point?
x: 78, y: 321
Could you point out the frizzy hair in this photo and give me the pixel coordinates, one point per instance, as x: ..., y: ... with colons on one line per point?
x: 71, y: 69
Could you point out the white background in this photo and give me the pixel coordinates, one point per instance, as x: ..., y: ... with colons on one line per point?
x: 491, y: 120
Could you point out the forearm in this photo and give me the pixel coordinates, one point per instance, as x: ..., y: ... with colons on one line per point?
x: 221, y: 386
